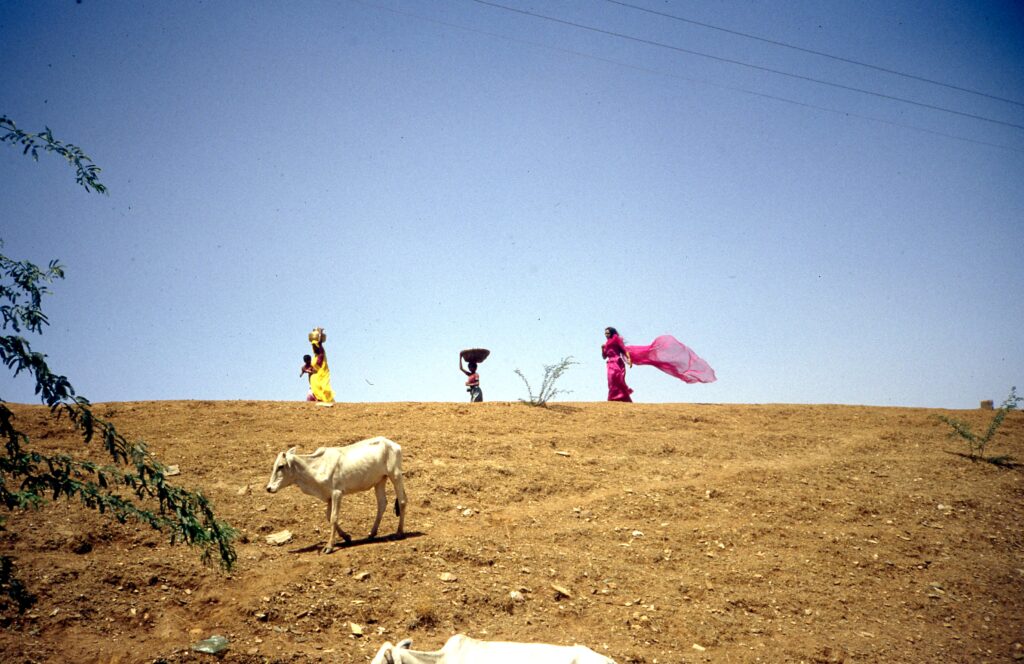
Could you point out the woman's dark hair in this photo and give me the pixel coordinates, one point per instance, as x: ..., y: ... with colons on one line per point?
x: 612, y: 330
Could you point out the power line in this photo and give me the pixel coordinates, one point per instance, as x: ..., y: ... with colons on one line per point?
x: 680, y: 49
x: 813, y: 52
x: 686, y: 78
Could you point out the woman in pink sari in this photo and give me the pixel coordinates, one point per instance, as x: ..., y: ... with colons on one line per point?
x: 665, y: 353
x: 616, y: 357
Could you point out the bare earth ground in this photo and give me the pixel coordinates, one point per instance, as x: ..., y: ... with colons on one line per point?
x: 676, y: 533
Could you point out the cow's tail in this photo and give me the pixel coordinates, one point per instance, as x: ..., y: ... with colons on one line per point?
x: 398, y: 508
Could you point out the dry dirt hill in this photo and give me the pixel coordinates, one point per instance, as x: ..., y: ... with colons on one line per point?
x: 652, y: 533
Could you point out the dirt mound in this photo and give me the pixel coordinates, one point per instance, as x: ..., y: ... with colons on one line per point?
x: 651, y: 533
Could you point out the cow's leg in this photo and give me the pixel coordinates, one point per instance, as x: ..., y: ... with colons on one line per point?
x: 400, y: 500
x: 382, y: 503
x: 395, y: 473
x: 336, y: 496
x: 330, y: 527
x: 333, y: 514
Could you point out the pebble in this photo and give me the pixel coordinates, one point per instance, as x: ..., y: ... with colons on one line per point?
x: 560, y: 591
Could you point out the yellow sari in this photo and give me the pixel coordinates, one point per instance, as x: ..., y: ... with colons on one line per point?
x: 320, y: 380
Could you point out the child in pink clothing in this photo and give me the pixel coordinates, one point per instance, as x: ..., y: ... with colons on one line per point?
x: 476, y: 395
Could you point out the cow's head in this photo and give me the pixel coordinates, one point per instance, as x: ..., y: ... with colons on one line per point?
x: 281, y: 476
x: 389, y: 654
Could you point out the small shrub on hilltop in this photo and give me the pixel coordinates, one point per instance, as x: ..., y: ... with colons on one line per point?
x: 977, y: 443
x: 552, y: 372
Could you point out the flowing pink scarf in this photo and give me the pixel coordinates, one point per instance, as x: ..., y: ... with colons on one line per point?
x: 674, y: 358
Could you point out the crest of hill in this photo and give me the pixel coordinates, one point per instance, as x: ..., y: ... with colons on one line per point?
x: 771, y: 532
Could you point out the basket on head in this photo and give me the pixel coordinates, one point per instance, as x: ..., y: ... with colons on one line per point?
x: 317, y: 335
x: 476, y: 355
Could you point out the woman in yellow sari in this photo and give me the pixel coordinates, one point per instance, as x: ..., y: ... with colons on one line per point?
x: 320, y: 380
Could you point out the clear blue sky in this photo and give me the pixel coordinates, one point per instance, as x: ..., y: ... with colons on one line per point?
x: 421, y: 177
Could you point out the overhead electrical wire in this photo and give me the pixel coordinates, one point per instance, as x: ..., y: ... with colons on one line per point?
x: 813, y: 52
x: 686, y: 78
x: 779, y: 72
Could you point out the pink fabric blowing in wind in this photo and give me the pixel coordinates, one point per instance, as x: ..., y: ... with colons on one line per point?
x: 674, y: 358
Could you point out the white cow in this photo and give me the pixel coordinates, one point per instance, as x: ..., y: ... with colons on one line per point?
x: 461, y: 649
x: 331, y: 472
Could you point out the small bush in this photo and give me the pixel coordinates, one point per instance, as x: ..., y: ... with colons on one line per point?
x: 977, y: 443
x: 552, y: 372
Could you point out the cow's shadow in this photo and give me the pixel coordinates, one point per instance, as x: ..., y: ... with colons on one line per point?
x: 358, y: 542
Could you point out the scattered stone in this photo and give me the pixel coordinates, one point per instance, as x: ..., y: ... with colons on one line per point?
x: 561, y: 453
x: 214, y: 645
x: 280, y: 537
x: 355, y: 629
x: 698, y: 647
x: 171, y: 471
x: 447, y: 577
x: 361, y: 576
x: 561, y: 592
x: 517, y: 596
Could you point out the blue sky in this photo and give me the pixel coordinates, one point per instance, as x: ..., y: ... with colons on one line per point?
x: 421, y: 177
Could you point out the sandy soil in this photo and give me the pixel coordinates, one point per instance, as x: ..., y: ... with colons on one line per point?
x: 652, y: 533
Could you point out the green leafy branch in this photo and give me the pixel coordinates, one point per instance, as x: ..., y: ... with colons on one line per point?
x: 27, y: 279
x: 86, y: 172
x: 26, y: 476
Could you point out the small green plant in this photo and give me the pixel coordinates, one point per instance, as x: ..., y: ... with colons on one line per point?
x: 977, y: 443
x: 552, y: 372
